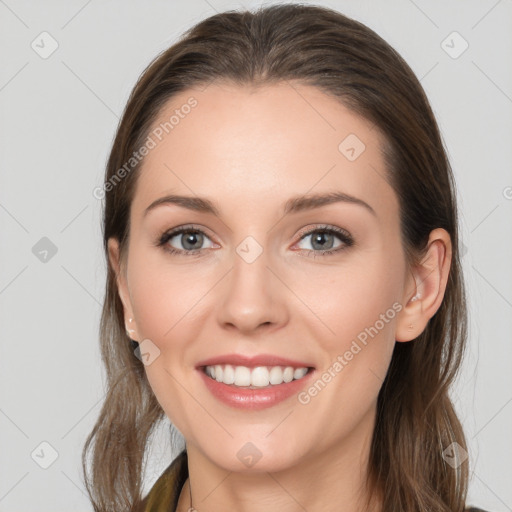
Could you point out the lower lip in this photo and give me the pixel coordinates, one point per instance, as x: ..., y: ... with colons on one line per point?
x: 254, y: 399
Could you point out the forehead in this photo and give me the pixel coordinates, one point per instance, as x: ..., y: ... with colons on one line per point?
x: 261, y: 145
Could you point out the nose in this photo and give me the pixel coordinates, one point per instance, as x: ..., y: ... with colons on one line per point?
x: 251, y: 297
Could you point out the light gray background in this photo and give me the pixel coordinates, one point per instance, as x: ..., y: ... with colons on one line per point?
x: 58, y: 117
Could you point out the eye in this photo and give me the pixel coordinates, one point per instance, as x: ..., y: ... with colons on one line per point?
x: 323, y: 240
x: 189, y: 240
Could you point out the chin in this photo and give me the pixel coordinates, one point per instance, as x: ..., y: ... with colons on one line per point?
x: 256, y: 456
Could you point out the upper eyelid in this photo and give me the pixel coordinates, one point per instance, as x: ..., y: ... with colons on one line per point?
x: 171, y: 233
x: 324, y: 227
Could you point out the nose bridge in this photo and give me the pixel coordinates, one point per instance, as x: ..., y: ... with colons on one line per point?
x: 250, y: 297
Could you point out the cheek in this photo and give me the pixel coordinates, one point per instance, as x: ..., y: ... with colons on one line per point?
x: 353, y: 301
x: 358, y: 311
x: 164, y: 297
x: 166, y: 302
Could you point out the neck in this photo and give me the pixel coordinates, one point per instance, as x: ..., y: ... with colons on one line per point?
x: 330, y: 479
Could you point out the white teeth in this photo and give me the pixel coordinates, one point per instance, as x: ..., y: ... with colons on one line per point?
x: 229, y: 374
x: 299, y: 373
x: 242, y: 376
x: 258, y: 377
x: 275, y: 375
x: 288, y: 374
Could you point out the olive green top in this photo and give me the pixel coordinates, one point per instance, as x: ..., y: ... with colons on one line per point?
x: 164, y: 495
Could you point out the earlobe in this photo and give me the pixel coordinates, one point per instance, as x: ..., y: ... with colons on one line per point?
x: 428, y: 282
x: 129, y: 331
x: 409, y: 324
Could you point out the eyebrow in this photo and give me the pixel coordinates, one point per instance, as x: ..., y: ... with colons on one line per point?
x: 293, y: 205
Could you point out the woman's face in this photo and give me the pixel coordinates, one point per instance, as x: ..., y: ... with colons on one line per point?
x: 267, y: 277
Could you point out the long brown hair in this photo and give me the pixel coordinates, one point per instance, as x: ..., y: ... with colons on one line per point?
x: 317, y: 46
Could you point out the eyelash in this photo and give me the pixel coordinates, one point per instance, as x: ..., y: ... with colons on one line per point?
x: 343, y: 235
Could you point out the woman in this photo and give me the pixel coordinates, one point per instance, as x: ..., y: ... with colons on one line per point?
x: 281, y: 233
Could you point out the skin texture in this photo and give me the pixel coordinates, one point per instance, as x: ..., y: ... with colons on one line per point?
x: 248, y: 151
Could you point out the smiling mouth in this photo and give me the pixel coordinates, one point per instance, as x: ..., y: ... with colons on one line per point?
x: 254, y: 378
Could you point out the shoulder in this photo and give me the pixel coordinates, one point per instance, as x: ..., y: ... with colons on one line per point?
x: 474, y: 509
x: 164, y: 494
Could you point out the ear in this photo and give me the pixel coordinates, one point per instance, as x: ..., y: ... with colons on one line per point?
x: 424, y: 290
x: 122, y: 287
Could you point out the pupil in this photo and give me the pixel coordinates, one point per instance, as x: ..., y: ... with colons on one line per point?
x: 318, y: 239
x: 190, y: 239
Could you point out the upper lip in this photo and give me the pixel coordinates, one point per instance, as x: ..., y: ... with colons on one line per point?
x: 253, y: 361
